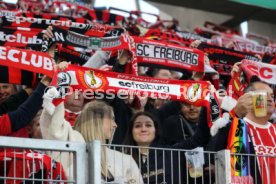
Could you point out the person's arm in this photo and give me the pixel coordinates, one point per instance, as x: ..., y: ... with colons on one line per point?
x: 120, y: 65
x: 97, y: 60
x: 169, y: 136
x: 168, y: 109
x: 52, y: 122
x: 14, y: 101
x: 201, y: 136
x: 54, y: 126
x: 27, y: 111
x: 119, y: 68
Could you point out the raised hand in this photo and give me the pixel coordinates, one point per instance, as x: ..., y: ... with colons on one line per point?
x: 49, y: 33
x: 235, y: 68
x: 244, y: 105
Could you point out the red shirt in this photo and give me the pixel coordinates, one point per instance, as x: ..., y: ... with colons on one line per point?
x: 6, y: 129
x: 264, y: 141
x: 5, y: 125
x: 71, y: 116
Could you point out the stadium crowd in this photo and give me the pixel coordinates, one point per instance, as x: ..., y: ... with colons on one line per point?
x: 136, y: 65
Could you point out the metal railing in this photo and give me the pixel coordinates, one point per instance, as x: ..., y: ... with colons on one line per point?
x: 25, y: 161
x: 125, y: 164
x: 259, y: 168
x: 159, y: 165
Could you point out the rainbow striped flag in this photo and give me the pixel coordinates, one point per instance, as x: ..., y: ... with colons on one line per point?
x: 238, y: 143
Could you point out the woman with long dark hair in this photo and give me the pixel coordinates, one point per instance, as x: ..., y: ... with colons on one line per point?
x: 157, y: 165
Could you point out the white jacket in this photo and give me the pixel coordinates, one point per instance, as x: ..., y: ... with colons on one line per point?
x: 122, y: 167
x: 55, y: 127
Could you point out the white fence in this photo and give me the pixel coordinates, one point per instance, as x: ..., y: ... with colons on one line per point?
x: 25, y: 161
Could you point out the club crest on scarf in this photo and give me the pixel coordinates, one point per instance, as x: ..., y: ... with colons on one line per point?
x: 63, y: 79
x: 92, y: 80
x: 63, y: 83
x: 194, y: 92
x: 214, y: 107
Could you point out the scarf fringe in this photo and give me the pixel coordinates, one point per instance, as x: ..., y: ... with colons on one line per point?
x: 219, y: 123
x: 48, y: 97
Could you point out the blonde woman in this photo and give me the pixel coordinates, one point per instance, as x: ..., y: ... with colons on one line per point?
x: 96, y: 122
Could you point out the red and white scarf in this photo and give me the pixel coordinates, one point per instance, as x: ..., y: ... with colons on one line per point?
x: 34, y: 61
x: 196, y: 93
x: 151, y: 52
x: 265, y: 72
x: 94, y: 82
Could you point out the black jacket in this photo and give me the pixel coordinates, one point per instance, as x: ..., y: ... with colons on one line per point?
x: 201, y: 136
x: 170, y: 166
x: 15, y: 120
x: 160, y: 166
x: 123, y: 114
x: 13, y: 102
x: 170, y: 108
x: 177, y: 129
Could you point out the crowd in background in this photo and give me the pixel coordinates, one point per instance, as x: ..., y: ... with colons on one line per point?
x: 26, y: 111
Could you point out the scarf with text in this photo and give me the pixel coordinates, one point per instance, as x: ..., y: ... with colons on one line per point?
x: 16, y: 37
x: 42, y: 23
x: 181, y: 37
x: 157, y: 53
x: 229, y: 55
x: 144, y: 52
x: 29, y: 60
x: 53, y: 16
x: 193, y: 36
x: 89, y: 42
x: 196, y: 93
x: 92, y: 29
x: 95, y: 82
x: 26, y: 165
x: 253, y: 48
x: 103, y: 16
x: 9, y: 12
x: 222, y: 59
x: 265, y: 72
x: 267, y: 53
